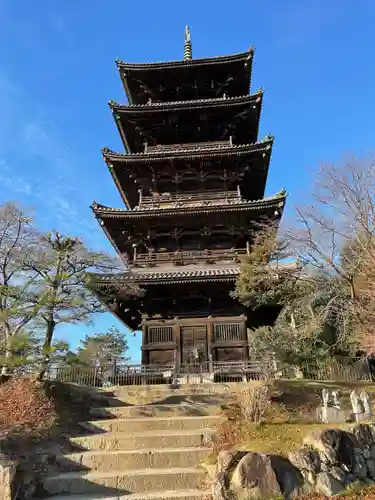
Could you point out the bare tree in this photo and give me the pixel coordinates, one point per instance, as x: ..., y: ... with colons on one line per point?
x: 18, y: 243
x: 61, y: 265
x: 335, y: 236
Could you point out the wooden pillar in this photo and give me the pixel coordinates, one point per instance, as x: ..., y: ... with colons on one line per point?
x: 177, y: 339
x: 210, y: 339
x: 244, y: 334
x: 145, y: 359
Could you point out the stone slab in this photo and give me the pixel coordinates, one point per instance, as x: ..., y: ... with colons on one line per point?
x: 164, y: 495
x: 117, y: 484
x: 144, y: 440
x: 152, y: 424
x: 166, y: 411
x: 106, y: 461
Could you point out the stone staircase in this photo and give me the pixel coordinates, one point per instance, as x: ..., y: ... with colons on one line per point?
x: 138, y: 452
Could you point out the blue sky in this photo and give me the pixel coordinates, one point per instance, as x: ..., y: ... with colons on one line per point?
x: 314, y: 58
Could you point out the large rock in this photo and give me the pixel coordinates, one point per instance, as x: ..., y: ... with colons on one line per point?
x: 226, y: 462
x: 289, y: 478
x: 360, y: 466
x: 327, y: 485
x: 306, y: 459
x: 254, y: 477
x: 364, y: 433
x: 371, y: 468
x: 338, y: 474
x: 335, y: 446
x: 7, y: 475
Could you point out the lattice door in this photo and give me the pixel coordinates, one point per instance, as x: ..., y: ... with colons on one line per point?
x: 194, y: 344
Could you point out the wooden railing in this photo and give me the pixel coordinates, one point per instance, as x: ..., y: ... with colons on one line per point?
x: 184, y: 257
x: 188, y: 145
x: 189, y: 198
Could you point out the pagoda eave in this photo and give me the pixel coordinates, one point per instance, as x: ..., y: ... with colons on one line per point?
x: 139, y: 78
x: 188, y: 153
x: 160, y: 65
x: 265, y: 204
x: 221, y: 102
x: 220, y: 120
x: 128, y: 280
x: 245, y: 165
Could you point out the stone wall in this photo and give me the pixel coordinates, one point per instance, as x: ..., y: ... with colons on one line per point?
x: 329, y: 462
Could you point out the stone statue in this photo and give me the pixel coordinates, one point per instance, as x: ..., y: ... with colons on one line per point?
x: 365, y: 400
x: 325, y: 397
x: 335, y: 399
x: 356, y: 406
x: 330, y: 411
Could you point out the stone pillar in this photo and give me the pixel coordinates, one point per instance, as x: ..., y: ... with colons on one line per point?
x: 7, y: 474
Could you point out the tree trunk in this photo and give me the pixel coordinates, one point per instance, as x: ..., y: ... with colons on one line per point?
x: 46, y: 349
x: 5, y: 370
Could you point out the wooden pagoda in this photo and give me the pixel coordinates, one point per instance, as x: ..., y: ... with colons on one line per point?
x: 192, y: 180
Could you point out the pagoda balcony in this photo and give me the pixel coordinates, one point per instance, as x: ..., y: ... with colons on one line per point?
x: 190, y: 146
x: 186, y: 257
x: 174, y: 200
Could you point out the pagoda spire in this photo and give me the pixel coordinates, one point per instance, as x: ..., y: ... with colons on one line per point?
x: 188, y: 51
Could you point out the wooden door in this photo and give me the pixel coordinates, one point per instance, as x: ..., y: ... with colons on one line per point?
x: 194, y: 344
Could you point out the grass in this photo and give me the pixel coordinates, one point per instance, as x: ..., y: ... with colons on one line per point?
x: 278, y: 438
x: 289, y: 420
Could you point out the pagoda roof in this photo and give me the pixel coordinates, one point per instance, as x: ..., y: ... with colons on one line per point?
x: 187, y: 153
x: 123, y: 226
x: 132, y: 172
x: 171, y: 276
x: 158, y: 123
x: 186, y: 79
x: 276, y: 201
x: 192, y: 273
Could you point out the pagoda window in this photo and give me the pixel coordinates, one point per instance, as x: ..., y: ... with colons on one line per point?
x: 229, y: 331
x: 160, y: 334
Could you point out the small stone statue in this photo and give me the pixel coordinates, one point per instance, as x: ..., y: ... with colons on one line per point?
x: 330, y: 411
x: 365, y: 400
x: 335, y: 399
x: 325, y: 397
x: 357, y: 406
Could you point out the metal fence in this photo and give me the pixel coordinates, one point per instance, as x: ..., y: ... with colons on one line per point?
x: 332, y: 369
x: 341, y: 370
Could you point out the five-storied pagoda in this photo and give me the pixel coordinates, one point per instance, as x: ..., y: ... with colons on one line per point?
x: 192, y: 180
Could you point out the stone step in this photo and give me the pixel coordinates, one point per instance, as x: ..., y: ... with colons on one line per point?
x: 193, y: 410
x: 117, y: 483
x: 102, y: 400
x: 144, y: 440
x: 152, y: 424
x: 153, y: 495
x: 106, y: 461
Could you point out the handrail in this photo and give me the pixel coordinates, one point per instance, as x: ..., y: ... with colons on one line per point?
x: 189, y: 196
x: 187, y: 146
x: 189, y: 256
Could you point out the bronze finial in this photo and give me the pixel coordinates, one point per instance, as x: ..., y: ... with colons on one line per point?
x: 187, y: 34
x: 188, y: 51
